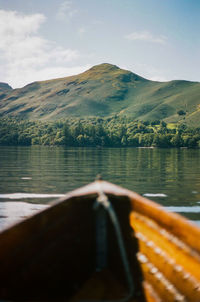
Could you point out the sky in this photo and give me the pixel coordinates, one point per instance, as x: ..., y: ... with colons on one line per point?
x: 47, y: 39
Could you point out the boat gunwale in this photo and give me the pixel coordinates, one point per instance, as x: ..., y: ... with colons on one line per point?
x: 176, y: 224
x: 173, y: 222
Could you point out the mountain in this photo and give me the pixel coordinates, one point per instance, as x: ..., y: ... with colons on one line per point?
x: 5, y: 86
x: 5, y: 90
x: 103, y: 90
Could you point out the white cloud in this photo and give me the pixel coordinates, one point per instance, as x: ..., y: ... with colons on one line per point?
x: 13, y: 24
x: 82, y: 30
x: 97, y: 22
x: 66, y: 11
x: 25, y: 55
x: 146, y: 36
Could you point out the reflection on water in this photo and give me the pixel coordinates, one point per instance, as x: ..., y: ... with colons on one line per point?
x: 170, y: 176
x: 194, y: 209
x: 11, y: 212
x: 29, y: 195
x: 154, y: 195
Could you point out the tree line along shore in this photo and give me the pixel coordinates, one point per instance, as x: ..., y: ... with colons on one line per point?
x: 98, y: 132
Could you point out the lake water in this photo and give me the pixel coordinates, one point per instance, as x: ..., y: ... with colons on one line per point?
x: 38, y: 174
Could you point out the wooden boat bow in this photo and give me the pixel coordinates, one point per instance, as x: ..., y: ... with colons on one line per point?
x: 52, y: 255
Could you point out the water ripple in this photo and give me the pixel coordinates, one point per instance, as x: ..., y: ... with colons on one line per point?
x: 29, y: 195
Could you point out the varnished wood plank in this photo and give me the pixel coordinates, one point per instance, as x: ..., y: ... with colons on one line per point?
x: 176, y: 261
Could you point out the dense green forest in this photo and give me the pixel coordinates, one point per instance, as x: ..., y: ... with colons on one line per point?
x: 98, y: 132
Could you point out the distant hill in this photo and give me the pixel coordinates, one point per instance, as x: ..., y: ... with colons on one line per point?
x: 5, y: 90
x: 5, y: 86
x: 103, y: 90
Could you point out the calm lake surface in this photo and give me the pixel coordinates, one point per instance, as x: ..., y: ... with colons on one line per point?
x: 38, y: 174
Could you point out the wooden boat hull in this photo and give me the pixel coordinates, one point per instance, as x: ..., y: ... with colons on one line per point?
x: 52, y: 255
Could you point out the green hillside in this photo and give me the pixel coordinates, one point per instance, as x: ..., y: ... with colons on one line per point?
x: 4, y: 87
x: 5, y: 90
x: 103, y: 90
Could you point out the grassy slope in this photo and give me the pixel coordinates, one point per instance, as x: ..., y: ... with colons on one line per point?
x: 5, y: 90
x: 102, y: 91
